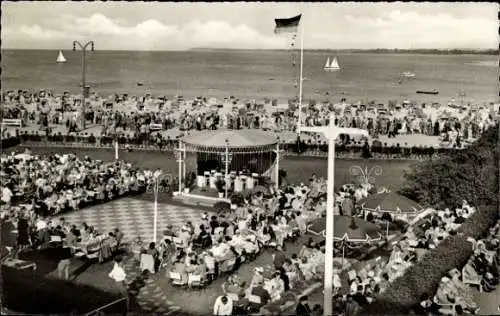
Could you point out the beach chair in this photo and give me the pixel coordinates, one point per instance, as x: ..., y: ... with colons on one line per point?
x: 176, y: 279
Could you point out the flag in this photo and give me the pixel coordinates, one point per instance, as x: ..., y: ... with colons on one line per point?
x: 290, y: 25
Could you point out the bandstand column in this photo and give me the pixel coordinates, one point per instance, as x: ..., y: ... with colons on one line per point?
x: 184, y: 161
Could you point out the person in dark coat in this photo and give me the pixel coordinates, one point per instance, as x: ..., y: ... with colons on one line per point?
x: 23, y: 239
x: 303, y: 308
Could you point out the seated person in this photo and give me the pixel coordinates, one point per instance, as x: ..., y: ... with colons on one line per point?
x: 180, y: 267
x: 258, y: 290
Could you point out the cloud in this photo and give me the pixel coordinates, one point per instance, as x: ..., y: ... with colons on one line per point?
x: 411, y: 29
x: 148, y: 34
x: 182, y: 26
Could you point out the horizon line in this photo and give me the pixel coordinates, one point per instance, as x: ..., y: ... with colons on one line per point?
x: 275, y: 49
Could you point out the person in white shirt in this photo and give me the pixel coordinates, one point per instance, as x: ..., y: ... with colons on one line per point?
x: 118, y: 274
x: 6, y: 195
x: 223, y: 306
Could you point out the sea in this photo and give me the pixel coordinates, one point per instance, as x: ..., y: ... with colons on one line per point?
x: 258, y: 75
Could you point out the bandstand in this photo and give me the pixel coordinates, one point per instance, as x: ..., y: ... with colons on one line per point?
x: 235, y: 158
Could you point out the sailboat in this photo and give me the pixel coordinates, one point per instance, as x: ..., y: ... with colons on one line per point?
x: 61, y: 58
x: 331, y: 66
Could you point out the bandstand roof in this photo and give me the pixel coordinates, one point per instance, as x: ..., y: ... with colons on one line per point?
x: 238, y: 141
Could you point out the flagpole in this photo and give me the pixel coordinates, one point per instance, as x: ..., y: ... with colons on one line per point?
x: 300, y: 78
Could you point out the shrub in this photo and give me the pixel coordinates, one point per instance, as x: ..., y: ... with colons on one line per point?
x: 222, y: 207
x: 425, y: 276
x: 471, y: 174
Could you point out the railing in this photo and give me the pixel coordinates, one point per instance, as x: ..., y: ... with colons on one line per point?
x: 12, y: 122
x: 100, y: 311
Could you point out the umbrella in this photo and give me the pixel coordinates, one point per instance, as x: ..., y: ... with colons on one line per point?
x: 348, y: 229
x: 390, y: 202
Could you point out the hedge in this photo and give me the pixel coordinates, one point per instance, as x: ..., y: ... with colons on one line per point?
x: 424, y: 277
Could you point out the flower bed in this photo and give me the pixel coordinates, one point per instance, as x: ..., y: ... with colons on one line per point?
x: 424, y: 277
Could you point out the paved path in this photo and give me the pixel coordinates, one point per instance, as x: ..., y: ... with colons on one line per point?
x: 144, y: 289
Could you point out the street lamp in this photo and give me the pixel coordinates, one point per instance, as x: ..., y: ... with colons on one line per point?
x: 365, y: 176
x: 83, y: 47
x: 156, y: 176
x: 277, y: 169
x: 331, y: 133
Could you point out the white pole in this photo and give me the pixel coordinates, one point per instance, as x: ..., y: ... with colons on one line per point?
x: 277, y: 170
x: 387, y: 231
x: 184, y: 161
x: 300, y: 79
x: 180, y: 167
x: 116, y: 149
x: 227, y: 169
x: 155, y: 221
x: 330, y: 229
x: 343, y: 255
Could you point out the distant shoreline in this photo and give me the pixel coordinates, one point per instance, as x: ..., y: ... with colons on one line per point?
x: 349, y: 51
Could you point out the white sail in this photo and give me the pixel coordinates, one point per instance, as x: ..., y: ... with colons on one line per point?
x: 335, y: 64
x: 60, y: 58
x: 327, y: 65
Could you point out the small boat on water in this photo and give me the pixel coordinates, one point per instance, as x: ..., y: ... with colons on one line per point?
x: 434, y: 91
x: 331, y: 66
x: 60, y: 58
x: 140, y: 84
x: 408, y: 74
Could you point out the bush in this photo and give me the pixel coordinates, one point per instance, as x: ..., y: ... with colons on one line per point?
x: 222, y: 207
x: 424, y: 277
x: 471, y: 174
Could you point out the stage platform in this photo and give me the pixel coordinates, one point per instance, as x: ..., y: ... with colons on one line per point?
x: 198, y: 197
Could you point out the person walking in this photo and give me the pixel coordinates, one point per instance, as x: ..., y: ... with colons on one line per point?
x: 119, y: 275
x: 223, y: 306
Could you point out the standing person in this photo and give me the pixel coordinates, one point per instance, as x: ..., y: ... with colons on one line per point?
x: 23, y: 239
x: 223, y: 306
x: 118, y: 274
x: 303, y: 308
x: 64, y: 264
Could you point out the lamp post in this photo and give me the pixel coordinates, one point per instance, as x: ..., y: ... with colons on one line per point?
x: 227, y: 168
x: 83, y: 47
x: 366, y: 176
x: 156, y: 175
x: 277, y: 169
x: 331, y: 133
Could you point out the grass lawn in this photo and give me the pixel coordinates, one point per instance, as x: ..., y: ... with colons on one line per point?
x: 298, y: 169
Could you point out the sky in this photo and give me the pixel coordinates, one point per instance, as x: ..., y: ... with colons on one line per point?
x: 246, y: 25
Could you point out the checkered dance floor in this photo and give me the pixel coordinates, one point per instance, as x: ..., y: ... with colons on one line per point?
x: 133, y: 217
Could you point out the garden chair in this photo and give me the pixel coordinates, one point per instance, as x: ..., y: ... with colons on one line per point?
x: 147, y: 263
x: 176, y: 279
x: 472, y: 281
x: 195, y: 280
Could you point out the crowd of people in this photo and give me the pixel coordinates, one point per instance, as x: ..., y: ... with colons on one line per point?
x: 145, y: 115
x: 482, y: 270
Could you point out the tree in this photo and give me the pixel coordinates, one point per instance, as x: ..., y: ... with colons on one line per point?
x: 470, y: 174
